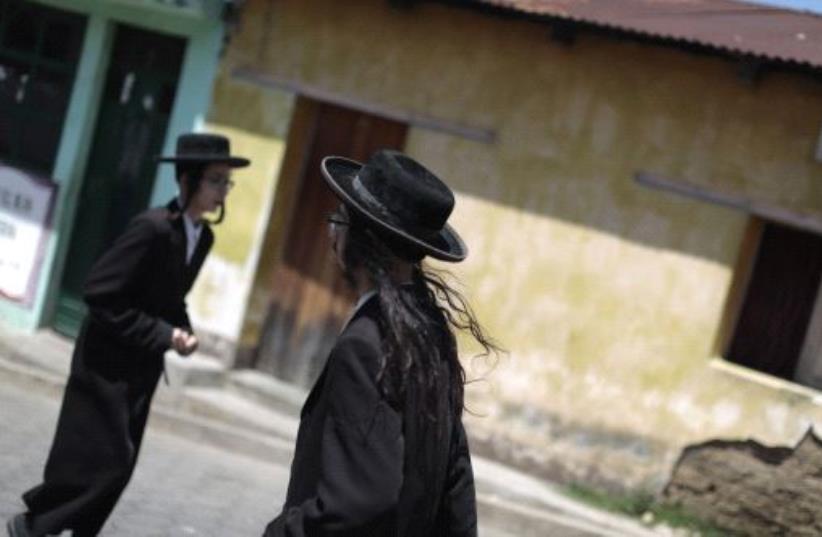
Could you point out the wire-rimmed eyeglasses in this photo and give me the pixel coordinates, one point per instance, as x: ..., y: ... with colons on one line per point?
x: 336, y: 219
x: 220, y: 183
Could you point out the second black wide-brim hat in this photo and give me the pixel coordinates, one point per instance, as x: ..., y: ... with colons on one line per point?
x: 400, y: 197
x: 205, y: 148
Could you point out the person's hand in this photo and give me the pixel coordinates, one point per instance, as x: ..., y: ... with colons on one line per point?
x: 190, y: 344
x: 178, y: 338
x: 183, y: 342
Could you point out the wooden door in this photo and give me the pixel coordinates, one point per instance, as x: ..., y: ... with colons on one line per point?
x: 310, y: 297
x: 134, y: 112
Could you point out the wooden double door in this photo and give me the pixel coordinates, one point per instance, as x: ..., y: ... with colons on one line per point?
x: 309, y: 297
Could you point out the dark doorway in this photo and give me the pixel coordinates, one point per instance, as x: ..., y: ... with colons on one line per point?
x: 309, y: 297
x: 779, y: 301
x: 131, y: 127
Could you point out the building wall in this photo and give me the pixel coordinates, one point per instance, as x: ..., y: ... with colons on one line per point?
x: 201, y: 24
x: 257, y: 131
x: 609, y: 296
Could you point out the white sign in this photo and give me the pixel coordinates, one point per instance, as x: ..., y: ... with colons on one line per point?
x: 25, y: 218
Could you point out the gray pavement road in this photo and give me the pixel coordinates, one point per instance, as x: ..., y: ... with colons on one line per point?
x: 180, y: 488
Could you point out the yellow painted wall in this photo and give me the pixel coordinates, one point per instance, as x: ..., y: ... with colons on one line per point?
x: 255, y: 120
x: 608, y: 295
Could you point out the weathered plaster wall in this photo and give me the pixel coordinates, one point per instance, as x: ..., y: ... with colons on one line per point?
x: 608, y: 296
x: 255, y: 120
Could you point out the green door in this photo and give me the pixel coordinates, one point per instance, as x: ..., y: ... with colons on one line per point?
x: 131, y: 127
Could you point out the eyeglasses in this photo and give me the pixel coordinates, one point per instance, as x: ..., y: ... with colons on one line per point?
x: 336, y: 219
x: 222, y: 183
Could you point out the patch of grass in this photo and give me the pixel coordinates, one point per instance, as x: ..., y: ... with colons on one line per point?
x: 643, y: 505
x: 634, y: 505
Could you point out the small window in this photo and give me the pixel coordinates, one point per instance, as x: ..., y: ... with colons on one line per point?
x: 39, y: 51
x: 778, y: 303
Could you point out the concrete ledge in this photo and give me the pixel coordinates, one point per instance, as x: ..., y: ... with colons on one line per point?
x: 267, y: 390
x: 172, y: 413
x: 259, y: 446
x: 43, y: 350
x: 229, y: 408
x: 510, y: 497
x: 32, y: 379
x: 524, y: 521
x: 195, y: 370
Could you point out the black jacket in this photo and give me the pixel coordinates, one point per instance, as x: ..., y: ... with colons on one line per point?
x: 136, y: 295
x: 136, y: 290
x: 358, y: 467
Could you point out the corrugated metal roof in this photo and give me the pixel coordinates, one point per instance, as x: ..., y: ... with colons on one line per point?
x: 730, y: 25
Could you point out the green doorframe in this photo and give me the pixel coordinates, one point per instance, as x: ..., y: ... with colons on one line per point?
x: 191, y: 102
x: 204, y: 30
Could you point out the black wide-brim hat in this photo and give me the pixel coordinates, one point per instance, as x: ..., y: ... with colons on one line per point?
x: 205, y: 148
x: 401, y: 198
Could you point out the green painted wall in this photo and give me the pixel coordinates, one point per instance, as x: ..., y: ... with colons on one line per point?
x: 69, y: 166
x: 608, y: 296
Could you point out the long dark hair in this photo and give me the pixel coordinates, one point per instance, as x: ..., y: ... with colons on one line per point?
x: 194, y: 172
x: 419, y: 320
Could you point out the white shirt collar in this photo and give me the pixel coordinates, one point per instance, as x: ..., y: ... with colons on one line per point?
x: 193, y: 230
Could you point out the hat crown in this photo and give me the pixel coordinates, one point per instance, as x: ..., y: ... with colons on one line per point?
x: 202, y: 144
x: 399, y: 198
x: 405, y: 192
x: 204, y: 148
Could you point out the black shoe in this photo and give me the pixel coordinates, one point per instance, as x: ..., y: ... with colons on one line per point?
x: 17, y: 526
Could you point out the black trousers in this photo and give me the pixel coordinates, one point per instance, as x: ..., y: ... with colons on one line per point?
x: 96, y: 443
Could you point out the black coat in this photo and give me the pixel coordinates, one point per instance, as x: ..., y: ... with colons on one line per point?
x: 136, y: 296
x: 358, y: 466
x: 136, y: 291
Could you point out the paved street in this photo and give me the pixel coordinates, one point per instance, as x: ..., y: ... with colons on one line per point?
x: 180, y: 488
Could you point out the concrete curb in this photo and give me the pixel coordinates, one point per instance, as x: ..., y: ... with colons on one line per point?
x: 167, y: 418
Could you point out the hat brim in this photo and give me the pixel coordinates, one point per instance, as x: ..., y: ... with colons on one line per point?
x: 339, y: 172
x: 234, y: 162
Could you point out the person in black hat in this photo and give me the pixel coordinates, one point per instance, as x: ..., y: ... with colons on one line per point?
x: 135, y: 293
x: 381, y: 450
